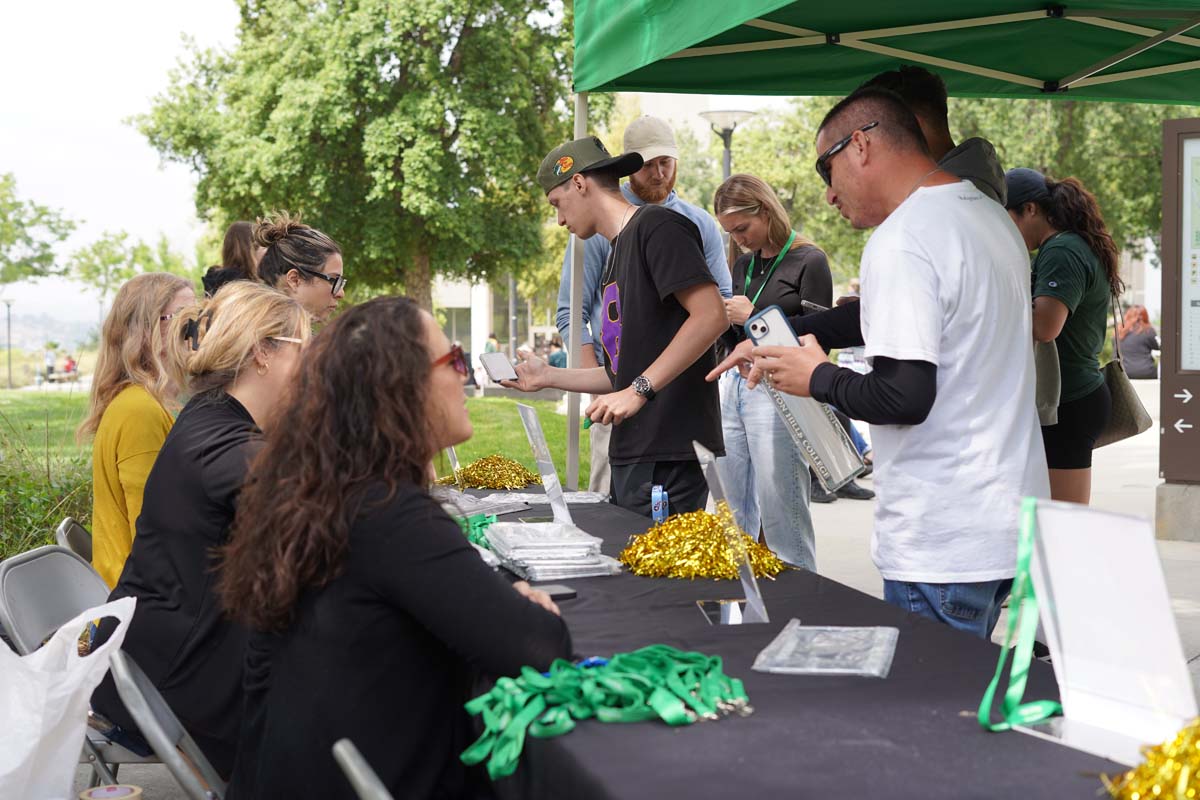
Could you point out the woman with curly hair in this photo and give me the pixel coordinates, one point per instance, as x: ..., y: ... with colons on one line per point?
x: 1075, y: 278
x: 131, y: 410
x: 370, y: 612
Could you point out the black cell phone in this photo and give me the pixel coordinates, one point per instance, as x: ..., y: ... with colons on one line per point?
x: 813, y: 306
x: 557, y: 591
x: 536, y: 520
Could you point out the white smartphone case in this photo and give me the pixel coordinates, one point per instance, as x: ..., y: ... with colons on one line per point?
x: 822, y: 440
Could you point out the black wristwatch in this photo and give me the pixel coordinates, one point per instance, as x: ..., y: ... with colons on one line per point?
x: 642, y: 387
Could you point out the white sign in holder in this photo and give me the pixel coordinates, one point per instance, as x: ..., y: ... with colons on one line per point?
x: 1121, y: 670
x: 729, y: 612
x: 545, y: 464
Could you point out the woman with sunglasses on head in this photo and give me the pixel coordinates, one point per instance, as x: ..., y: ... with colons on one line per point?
x: 236, y: 355
x: 303, y: 262
x: 371, y: 613
x: 130, y: 412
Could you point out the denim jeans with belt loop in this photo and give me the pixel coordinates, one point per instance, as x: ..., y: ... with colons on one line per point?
x: 766, y: 479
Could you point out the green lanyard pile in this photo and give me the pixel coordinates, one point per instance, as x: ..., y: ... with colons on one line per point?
x: 750, y: 270
x: 1022, y: 608
x: 657, y: 681
x: 475, y: 528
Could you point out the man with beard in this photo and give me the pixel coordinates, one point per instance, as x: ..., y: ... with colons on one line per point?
x: 652, y: 139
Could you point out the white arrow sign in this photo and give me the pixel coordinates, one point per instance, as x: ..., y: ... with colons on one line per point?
x: 1185, y: 396
x: 1181, y: 426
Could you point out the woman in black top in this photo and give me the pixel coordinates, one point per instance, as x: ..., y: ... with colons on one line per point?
x: 372, y: 615
x: 765, y: 477
x: 1138, y: 338
x: 236, y: 355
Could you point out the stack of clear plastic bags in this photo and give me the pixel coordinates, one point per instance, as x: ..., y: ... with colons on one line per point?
x: 549, y: 551
x: 460, y: 504
x: 541, y: 499
x: 829, y: 650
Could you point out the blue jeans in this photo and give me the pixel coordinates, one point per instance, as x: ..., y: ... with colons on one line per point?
x: 970, y: 607
x: 766, y: 479
x: 860, y: 444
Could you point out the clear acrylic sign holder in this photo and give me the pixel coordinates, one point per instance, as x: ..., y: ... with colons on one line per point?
x: 1103, y: 603
x: 730, y: 612
x: 454, y: 466
x: 545, y: 464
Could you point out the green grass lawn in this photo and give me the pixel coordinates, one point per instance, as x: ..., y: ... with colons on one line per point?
x: 45, y: 475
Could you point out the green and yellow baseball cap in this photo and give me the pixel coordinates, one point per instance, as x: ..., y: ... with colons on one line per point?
x: 583, y: 155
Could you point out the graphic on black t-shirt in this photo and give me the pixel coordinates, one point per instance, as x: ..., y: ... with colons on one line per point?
x: 610, y: 328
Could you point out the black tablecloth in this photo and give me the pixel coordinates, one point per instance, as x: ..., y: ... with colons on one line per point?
x: 913, y: 734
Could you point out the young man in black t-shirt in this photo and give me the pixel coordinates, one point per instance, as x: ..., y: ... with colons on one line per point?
x: 661, y: 315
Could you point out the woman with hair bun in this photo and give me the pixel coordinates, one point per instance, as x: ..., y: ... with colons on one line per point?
x: 130, y: 411
x: 236, y: 355
x: 1075, y: 279
x: 301, y: 261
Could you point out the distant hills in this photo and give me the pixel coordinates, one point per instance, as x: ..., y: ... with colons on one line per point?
x: 31, y: 332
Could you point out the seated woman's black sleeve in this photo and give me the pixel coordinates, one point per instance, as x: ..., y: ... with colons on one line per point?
x: 836, y: 328
x: 894, y: 393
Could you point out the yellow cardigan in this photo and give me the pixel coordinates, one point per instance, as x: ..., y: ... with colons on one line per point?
x: 132, y: 431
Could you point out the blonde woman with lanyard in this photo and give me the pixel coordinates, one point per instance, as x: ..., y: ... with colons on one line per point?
x: 765, y: 477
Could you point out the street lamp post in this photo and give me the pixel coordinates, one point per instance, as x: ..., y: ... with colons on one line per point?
x: 8, y: 339
x: 723, y: 124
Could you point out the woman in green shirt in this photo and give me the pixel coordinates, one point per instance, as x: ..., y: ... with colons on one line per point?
x: 1074, y: 278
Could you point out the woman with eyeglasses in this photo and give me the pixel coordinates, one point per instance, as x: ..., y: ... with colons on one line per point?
x: 303, y: 262
x: 131, y: 410
x: 371, y: 613
x: 236, y: 355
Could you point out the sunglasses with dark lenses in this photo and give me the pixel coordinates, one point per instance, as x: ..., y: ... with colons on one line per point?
x: 455, y: 358
x: 824, y: 159
x: 336, y: 282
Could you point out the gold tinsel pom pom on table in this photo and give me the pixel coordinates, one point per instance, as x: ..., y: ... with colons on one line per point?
x: 694, y: 545
x: 493, y: 472
x: 1171, y: 771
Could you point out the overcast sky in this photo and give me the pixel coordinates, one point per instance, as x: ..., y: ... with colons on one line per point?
x: 74, y: 72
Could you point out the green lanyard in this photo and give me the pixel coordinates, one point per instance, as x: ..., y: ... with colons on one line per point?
x: 655, y: 682
x: 766, y: 280
x: 1022, y: 607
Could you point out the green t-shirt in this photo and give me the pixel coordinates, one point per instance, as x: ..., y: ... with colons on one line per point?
x: 1067, y: 270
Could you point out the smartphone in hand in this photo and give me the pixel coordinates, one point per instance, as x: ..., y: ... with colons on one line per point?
x: 498, y: 367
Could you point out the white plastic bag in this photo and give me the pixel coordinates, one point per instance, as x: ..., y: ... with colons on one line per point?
x: 44, y: 704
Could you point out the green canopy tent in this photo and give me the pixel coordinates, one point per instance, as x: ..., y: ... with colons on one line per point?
x: 1107, y: 50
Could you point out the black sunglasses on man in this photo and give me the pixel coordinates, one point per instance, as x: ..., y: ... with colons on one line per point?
x: 824, y: 159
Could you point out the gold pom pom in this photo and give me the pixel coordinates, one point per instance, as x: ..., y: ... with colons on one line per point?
x: 694, y: 545
x: 493, y: 472
x: 1171, y: 770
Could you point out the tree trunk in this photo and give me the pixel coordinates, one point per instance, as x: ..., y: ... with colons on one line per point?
x: 419, y: 282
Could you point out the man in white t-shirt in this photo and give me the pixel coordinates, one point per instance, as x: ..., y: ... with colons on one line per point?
x: 945, y: 319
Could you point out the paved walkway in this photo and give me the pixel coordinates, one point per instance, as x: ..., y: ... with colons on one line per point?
x: 1124, y: 479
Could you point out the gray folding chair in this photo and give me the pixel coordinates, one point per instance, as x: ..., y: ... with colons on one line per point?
x: 41, y: 590
x: 76, y: 538
x: 162, y: 729
x: 364, y: 780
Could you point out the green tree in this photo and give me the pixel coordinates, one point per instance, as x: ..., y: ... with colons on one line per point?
x: 1114, y: 149
x: 105, y: 264
x: 159, y: 257
x: 28, y: 233
x: 409, y: 130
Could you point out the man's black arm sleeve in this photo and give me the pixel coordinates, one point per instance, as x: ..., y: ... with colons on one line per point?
x: 836, y: 328
x: 894, y: 393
